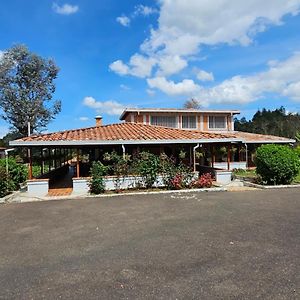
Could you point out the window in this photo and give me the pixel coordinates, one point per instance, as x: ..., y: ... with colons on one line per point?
x: 217, y: 122
x: 167, y: 121
x: 189, y: 122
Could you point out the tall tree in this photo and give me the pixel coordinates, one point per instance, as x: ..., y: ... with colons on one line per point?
x: 276, y: 122
x: 192, y: 104
x: 26, y: 89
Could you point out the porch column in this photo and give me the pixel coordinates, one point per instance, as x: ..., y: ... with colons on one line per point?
x: 55, y: 158
x: 212, y: 156
x: 77, y: 165
x: 29, y: 164
x: 228, y: 156
x: 49, y: 159
x: 42, y: 161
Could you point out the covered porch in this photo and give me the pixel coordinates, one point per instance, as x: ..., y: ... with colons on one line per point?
x: 62, y: 160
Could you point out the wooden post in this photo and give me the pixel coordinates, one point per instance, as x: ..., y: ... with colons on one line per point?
x: 239, y: 152
x: 60, y: 157
x: 29, y: 164
x: 42, y: 161
x: 77, y: 165
x: 49, y: 159
x: 212, y: 156
x: 228, y: 156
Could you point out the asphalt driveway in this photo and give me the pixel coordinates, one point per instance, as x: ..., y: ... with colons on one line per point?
x: 238, y: 245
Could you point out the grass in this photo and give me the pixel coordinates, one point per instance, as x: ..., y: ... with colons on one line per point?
x: 245, y: 173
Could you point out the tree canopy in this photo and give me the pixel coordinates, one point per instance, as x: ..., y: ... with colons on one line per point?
x: 26, y: 89
x: 275, y: 122
x: 192, y: 104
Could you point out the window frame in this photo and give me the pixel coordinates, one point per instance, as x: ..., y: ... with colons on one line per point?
x: 214, y: 122
x: 164, y: 116
x: 189, y: 121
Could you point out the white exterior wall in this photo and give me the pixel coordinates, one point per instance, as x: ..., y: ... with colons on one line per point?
x: 38, y: 187
x: 233, y: 165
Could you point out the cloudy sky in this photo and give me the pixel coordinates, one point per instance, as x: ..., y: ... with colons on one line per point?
x: 115, y: 54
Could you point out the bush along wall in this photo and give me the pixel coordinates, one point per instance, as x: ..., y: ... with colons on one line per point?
x: 146, y: 169
x: 277, y: 164
x: 17, y: 174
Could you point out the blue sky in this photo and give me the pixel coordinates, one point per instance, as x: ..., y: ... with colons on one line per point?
x: 116, y: 54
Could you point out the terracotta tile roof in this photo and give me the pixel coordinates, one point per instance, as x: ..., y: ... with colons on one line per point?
x: 260, y: 138
x: 141, y: 133
x: 126, y: 132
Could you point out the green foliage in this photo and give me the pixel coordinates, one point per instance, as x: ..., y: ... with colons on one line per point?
x: 120, y: 166
x: 277, y: 122
x: 277, y: 164
x: 26, y: 88
x: 4, y: 183
x: 297, y: 151
x: 96, y: 184
x: 17, y: 174
x: 147, y: 166
x: 297, y: 136
x: 175, y: 176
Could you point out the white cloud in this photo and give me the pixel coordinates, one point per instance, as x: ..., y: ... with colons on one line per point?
x: 144, y: 10
x: 119, y: 67
x: 65, y: 9
x: 123, y: 20
x: 184, y: 26
x: 205, y: 76
x: 83, y: 119
x: 110, y: 107
x: 214, y: 22
x: 124, y: 87
x: 150, y: 92
x: 170, y: 64
x: 282, y: 78
x: 139, y: 66
x: 185, y: 87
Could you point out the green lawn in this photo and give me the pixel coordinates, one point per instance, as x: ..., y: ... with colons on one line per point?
x: 245, y: 173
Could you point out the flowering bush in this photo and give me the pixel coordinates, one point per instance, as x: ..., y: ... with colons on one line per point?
x: 177, y: 182
x: 204, y: 181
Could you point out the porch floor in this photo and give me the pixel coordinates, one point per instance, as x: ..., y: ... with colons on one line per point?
x: 62, y: 186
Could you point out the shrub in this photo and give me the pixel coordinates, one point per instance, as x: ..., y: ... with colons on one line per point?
x: 176, y: 182
x: 175, y: 176
x: 297, y: 151
x: 120, y: 166
x: 96, y: 184
x: 204, y: 181
x: 147, y: 165
x: 17, y: 174
x: 276, y: 164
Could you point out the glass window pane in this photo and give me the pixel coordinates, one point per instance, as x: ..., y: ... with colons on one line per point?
x: 167, y: 121
x: 217, y: 122
x: 189, y: 122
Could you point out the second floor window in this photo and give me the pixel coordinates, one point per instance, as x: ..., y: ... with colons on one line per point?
x: 217, y: 122
x: 189, y: 122
x: 167, y: 121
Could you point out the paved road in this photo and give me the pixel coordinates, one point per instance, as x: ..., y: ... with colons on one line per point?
x: 238, y: 245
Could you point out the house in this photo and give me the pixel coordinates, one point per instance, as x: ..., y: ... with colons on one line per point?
x: 208, y: 132
x: 191, y: 119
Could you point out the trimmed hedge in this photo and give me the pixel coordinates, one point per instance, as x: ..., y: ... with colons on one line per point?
x: 277, y: 164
